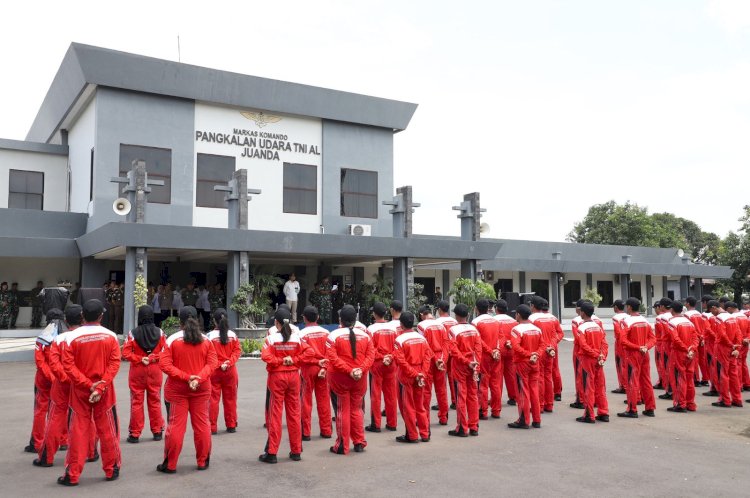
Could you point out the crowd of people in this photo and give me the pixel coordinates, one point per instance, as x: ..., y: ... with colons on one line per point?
x: 466, y: 363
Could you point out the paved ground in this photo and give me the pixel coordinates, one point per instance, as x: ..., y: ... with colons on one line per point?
x: 697, y: 454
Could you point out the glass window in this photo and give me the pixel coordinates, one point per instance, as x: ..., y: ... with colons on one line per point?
x: 158, y: 166
x: 300, y: 188
x: 25, y: 189
x: 605, y: 288
x: 571, y: 293
x: 212, y: 170
x: 359, y: 193
x: 635, y: 290
x: 540, y: 287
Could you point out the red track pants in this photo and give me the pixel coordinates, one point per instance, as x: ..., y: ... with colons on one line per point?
x: 467, y: 400
x: 594, y: 387
x: 57, y: 425
x: 312, y: 383
x: 711, y: 362
x: 436, y: 379
x: 546, y: 381
x: 42, y: 388
x: 509, y: 375
x: 744, y: 372
x: 145, y: 381
x: 683, y: 382
x: 224, y: 388
x: 620, y: 365
x: 727, y: 373
x: 639, y: 380
x: 383, y: 381
x: 411, y: 403
x: 662, y: 359
x: 451, y: 384
x: 527, y: 382
x: 702, y: 368
x: 181, y: 402
x: 557, y: 378
x: 490, y: 385
x: 577, y: 373
x: 284, y: 388
x: 347, y: 396
x: 107, y: 426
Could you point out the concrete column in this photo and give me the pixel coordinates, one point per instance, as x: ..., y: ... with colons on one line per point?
x: 554, y: 285
x: 446, y: 285
x: 470, y: 214
x: 684, y: 286
x: 403, y: 268
x: 93, y: 272
x: 624, y: 286
x: 400, y: 278
x: 698, y: 288
x: 664, y: 285
x: 521, y: 282
x: 649, y: 297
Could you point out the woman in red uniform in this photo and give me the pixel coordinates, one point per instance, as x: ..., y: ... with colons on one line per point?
x: 350, y: 355
x: 142, y: 349
x: 188, y: 360
x: 314, y: 376
x: 224, y: 379
x: 283, y: 353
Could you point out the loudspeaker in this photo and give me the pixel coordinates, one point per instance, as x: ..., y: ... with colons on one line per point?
x: 121, y: 206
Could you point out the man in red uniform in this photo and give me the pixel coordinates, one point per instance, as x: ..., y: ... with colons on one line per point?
x: 444, y: 317
x: 314, y: 376
x: 436, y: 336
x: 663, y: 346
x: 91, y: 359
x: 709, y: 338
x: 43, y: 381
x: 743, y: 323
x: 383, y: 379
x: 684, y: 341
x: 466, y: 351
x: 556, y: 377
x: 413, y: 356
x: 507, y: 323
x: 617, y: 323
x: 727, y: 350
x: 528, y: 347
x: 491, y: 364
x: 593, y: 349
x: 637, y: 338
x: 551, y: 330
x: 699, y: 322
x: 396, y: 307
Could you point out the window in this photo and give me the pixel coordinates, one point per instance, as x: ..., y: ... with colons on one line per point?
x: 25, y: 189
x: 635, y: 290
x: 571, y: 293
x: 359, y: 193
x: 212, y: 170
x: 503, y: 285
x: 605, y: 289
x: 300, y: 188
x: 540, y: 288
x: 158, y: 167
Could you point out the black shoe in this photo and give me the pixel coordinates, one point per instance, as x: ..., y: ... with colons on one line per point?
x: 64, y: 447
x: 602, y: 418
x: 213, y: 433
x: 578, y: 405
x: 295, y: 457
x: 425, y: 439
x: 619, y: 390
x: 473, y: 432
x: 159, y: 435
x: 677, y: 409
x: 737, y: 404
x: 133, y: 439
x: 453, y: 406
x: 648, y: 413
x: 231, y: 430
x: 558, y: 397
x: 665, y: 396
x: 372, y: 428
x: 536, y: 425
x: 306, y: 438
x: 658, y: 385
x: 30, y: 449
x: 458, y: 433
x: 359, y: 448
x: 704, y: 383
x: 388, y: 427
x: 94, y: 458
x: 162, y: 467
x: 518, y: 425
x: 115, y: 475
x: 65, y: 481
x: 697, y: 383
x: 404, y: 439
x: 628, y: 414
x: 585, y: 420
x: 721, y: 404
x: 267, y: 458
x: 435, y: 407
x: 382, y: 414
x: 548, y: 410
x: 495, y: 416
x: 511, y: 402
x: 325, y: 436
x: 443, y: 422
x: 713, y: 394
x: 483, y: 417
x: 333, y: 419
x: 39, y: 463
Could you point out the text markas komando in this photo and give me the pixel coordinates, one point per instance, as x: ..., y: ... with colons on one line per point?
x: 257, y: 144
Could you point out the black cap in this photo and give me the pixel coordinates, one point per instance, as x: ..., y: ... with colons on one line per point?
x: 54, y: 314
x: 407, y: 319
x: 587, y: 308
x: 461, y: 310
x: 501, y: 305
x: 579, y: 302
x: 74, y: 314
x: 348, y: 315
x: 676, y: 306
x: 397, y: 305
x: 706, y: 298
x: 424, y: 309
x: 187, y: 312
x: 524, y: 311
x: 633, y: 302
x: 730, y: 304
x: 619, y: 304
x: 92, y: 309
x: 443, y: 306
x: 713, y: 302
x: 379, y: 309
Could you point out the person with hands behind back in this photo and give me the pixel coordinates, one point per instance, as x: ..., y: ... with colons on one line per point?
x: 314, y: 377
x: 383, y: 375
x: 188, y: 360
x: 528, y: 347
x: 224, y: 380
x: 465, y: 346
x: 593, y: 349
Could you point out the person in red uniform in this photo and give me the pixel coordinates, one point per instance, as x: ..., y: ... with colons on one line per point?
x: 224, y: 380
x: 637, y: 338
x: 491, y: 364
x: 709, y: 339
x: 188, y: 360
x: 395, y: 308
x: 699, y: 322
x: 593, y: 349
x: 556, y: 376
x: 528, y: 347
x: 465, y: 345
x: 577, y: 320
x: 436, y: 335
x: 350, y: 355
x: 383, y: 378
x: 618, y: 320
x: 314, y: 372
x: 142, y: 349
x: 507, y: 323
x: 727, y: 350
x: 91, y: 359
x: 444, y: 317
x: 283, y: 353
x: 661, y: 356
x: 413, y: 356
x: 551, y: 330
x: 684, y: 341
x: 743, y: 323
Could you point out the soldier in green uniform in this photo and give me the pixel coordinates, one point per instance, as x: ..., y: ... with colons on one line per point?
x: 5, y: 305
x: 189, y: 295
x: 216, y: 298
x: 326, y: 301
x: 36, y: 305
x: 349, y: 296
x: 109, y: 296
x: 15, y: 304
x: 118, y: 305
x: 314, y: 296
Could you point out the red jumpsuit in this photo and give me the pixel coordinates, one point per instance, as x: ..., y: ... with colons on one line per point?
x: 413, y: 357
x: 526, y: 339
x: 699, y: 362
x: 728, y: 339
x: 465, y: 347
x: 284, y: 386
x: 593, y: 347
x: 684, y: 339
x: 491, y: 368
x: 91, y: 354
x: 180, y: 360
x: 709, y: 337
x: 224, y: 383
x: 448, y: 322
x: 436, y: 335
x: 509, y: 370
x: 661, y: 358
x: 576, y: 354
x: 637, y: 332
x: 551, y: 330
x: 315, y: 337
x: 346, y: 393
x: 144, y: 380
x: 744, y: 325
x: 556, y: 377
x: 42, y: 387
x: 617, y: 325
x: 383, y: 378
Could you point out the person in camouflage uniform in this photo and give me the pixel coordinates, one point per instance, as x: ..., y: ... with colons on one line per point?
x: 216, y: 298
x: 326, y: 301
x: 116, y: 298
x: 15, y: 304
x: 5, y: 305
x: 189, y: 295
x: 314, y: 296
x: 36, y: 305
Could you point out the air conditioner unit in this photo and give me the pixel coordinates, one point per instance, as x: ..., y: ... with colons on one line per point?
x: 360, y: 230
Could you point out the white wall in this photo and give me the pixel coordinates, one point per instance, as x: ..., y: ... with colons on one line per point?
x: 53, y: 166
x: 81, y: 139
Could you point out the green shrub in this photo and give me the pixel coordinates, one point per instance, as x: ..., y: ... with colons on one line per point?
x: 170, y: 325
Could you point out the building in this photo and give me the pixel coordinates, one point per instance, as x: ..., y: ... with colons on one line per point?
x: 323, y: 160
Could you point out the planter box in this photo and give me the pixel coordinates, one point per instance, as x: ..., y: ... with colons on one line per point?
x: 259, y: 333
x: 253, y: 355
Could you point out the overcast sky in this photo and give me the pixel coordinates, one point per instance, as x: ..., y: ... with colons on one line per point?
x: 544, y: 106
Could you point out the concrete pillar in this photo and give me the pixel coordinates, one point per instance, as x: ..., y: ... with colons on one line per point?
x: 554, y: 285
x: 470, y: 214
x: 698, y: 288
x: 649, y: 297
x: 93, y: 272
x: 684, y: 286
x: 589, y: 281
x: 403, y: 268
x: 521, y: 282
x: 446, y: 285
x: 136, y: 264
x: 624, y: 286
x: 664, y: 286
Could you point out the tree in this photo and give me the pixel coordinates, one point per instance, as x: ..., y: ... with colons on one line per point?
x: 734, y: 251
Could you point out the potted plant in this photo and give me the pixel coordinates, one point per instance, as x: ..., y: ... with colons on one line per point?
x: 252, y: 301
x: 467, y: 291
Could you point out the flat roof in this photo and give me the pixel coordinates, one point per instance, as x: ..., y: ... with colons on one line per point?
x: 42, y: 148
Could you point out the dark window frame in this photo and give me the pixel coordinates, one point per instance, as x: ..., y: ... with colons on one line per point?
x: 570, y: 301
x: 359, y: 195
x: 151, y: 175
x: 289, y: 190
x: 26, y: 193
x: 604, y: 303
x: 199, y: 181
x: 544, y: 294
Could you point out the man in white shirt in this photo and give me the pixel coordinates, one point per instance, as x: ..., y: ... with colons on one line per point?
x: 291, y: 290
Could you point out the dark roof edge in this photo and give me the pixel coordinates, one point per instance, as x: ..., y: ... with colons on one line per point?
x: 23, y: 145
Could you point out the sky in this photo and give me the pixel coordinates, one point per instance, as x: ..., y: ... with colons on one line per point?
x: 545, y: 107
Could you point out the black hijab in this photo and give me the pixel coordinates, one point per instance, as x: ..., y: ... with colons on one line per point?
x: 146, y: 334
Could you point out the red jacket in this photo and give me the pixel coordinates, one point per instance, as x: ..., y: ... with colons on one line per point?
x: 180, y: 360
x: 133, y: 353
x: 412, y: 354
x: 618, y: 323
x: 383, y: 338
x: 465, y: 344
x: 526, y: 339
x: 574, y: 329
x: 506, y: 326
x: 231, y: 351
x: 592, y: 341
x: 698, y: 321
x: 743, y: 323
x: 91, y: 354
x: 275, y: 350
x: 489, y: 331
x: 637, y: 332
x: 726, y: 331
x: 550, y: 326
x: 55, y: 358
x: 684, y: 335
x: 396, y: 325
x: 339, y: 353
x: 41, y: 358
x: 436, y: 335
x: 315, y: 337
x: 708, y: 327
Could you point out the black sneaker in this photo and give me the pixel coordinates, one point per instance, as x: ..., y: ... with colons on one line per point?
x: 518, y: 425
x: 159, y: 435
x: 445, y: 422
x: 649, y: 413
x: 458, y: 433
x: 213, y: 433
x: 64, y: 447
x: 536, y: 425
x: 512, y: 402
x: 133, y: 439
x: 602, y: 418
x: 585, y: 420
x: 306, y: 438
x: 94, y: 458
x: 267, y: 458
x: 713, y: 394
x: 737, y: 404
x: 372, y: 428
x: 30, y: 449
x: 359, y: 448
x: 382, y: 414
x: 39, y: 463
x: 721, y: 404
x: 392, y: 429
x: 325, y: 436
x: 577, y: 404
x: 473, y: 432
x: 115, y: 475
x: 495, y: 416
x: 404, y: 439
x: 548, y: 410
x: 435, y: 407
x: 65, y: 481
x: 231, y: 430
x: 295, y: 457
x: 665, y: 396
x: 453, y: 406
x: 619, y: 390
x: 483, y: 417
x: 558, y: 397
x: 162, y: 467
x: 628, y: 414
x: 677, y: 409
x: 658, y: 385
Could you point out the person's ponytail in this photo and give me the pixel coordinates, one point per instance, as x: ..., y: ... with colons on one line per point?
x: 192, y: 331
x: 286, y: 330
x: 221, y: 322
x: 282, y: 318
x: 348, y: 318
x: 353, y: 342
